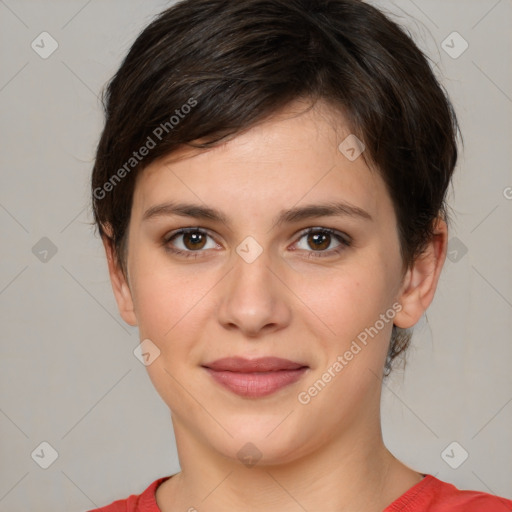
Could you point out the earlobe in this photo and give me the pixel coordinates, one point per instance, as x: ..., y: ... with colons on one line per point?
x: 120, y: 286
x: 420, y: 282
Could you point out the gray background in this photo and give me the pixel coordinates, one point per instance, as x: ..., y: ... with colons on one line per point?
x: 68, y: 375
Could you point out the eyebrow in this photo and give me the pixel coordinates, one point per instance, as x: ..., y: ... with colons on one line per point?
x: 296, y: 214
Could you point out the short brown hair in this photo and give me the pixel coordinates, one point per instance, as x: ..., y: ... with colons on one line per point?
x: 233, y: 64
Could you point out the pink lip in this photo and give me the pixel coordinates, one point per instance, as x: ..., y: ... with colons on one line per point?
x: 255, y: 377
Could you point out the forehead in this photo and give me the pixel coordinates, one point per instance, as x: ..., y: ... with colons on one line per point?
x: 292, y: 157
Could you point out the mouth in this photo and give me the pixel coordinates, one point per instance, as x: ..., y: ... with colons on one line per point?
x: 253, y: 378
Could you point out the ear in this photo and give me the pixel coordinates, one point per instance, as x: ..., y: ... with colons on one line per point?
x: 420, y: 281
x: 120, y: 286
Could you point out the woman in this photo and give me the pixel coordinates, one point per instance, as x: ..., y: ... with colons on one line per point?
x: 270, y: 190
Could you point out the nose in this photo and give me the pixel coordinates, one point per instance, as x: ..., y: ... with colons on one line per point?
x: 254, y: 297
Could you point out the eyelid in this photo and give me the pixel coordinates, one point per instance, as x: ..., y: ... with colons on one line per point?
x: 321, y: 229
x: 187, y: 229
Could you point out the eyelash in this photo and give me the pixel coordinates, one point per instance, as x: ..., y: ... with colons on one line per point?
x: 344, y: 240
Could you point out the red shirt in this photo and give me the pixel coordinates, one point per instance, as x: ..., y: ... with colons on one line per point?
x: 428, y: 495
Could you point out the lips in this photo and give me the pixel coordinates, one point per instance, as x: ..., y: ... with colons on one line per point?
x: 262, y: 364
x: 253, y: 378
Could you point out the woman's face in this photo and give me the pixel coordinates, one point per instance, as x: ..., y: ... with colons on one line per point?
x: 255, y: 284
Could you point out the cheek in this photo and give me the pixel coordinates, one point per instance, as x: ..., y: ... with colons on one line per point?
x: 167, y: 304
x: 158, y: 286
x: 161, y: 299
x: 344, y: 301
x: 172, y: 305
x: 156, y: 303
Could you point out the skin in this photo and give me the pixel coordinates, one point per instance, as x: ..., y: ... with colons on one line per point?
x: 287, y: 303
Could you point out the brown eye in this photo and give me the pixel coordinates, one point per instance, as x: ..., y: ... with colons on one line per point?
x: 189, y: 242
x: 194, y: 240
x: 319, y: 242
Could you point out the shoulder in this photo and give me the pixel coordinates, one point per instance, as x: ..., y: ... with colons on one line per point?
x: 433, y: 495
x: 144, y: 502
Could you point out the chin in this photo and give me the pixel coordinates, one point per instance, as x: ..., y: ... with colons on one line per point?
x: 262, y: 442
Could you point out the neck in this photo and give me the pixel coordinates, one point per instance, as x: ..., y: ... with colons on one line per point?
x: 353, y: 472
